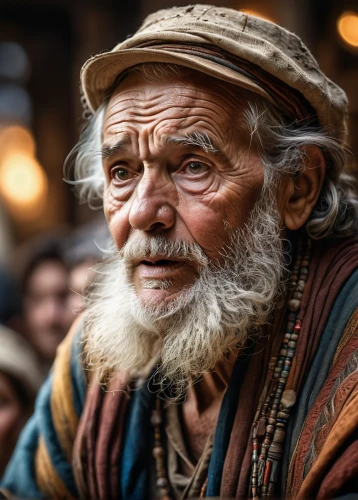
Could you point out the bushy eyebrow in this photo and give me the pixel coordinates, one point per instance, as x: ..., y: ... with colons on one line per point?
x: 201, y: 140
x: 198, y: 139
x: 108, y: 151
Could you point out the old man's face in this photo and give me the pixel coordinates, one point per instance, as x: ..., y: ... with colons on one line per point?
x: 198, y: 231
x: 177, y: 163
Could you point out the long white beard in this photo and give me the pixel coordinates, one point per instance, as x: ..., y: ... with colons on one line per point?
x: 190, y: 334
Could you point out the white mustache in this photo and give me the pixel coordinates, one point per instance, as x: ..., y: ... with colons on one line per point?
x: 140, y: 248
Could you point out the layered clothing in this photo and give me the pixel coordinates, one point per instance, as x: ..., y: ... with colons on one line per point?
x: 87, y: 442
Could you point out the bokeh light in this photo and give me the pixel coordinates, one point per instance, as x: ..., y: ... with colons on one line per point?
x: 14, y: 63
x: 257, y: 14
x: 347, y: 26
x: 23, y: 183
x: 16, y: 138
x: 15, y: 104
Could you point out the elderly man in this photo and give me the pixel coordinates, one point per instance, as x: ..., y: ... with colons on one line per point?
x: 218, y: 352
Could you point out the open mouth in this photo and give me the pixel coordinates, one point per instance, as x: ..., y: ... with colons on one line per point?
x: 159, y: 273
x: 161, y: 263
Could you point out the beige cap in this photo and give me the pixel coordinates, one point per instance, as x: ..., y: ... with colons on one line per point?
x: 268, y: 46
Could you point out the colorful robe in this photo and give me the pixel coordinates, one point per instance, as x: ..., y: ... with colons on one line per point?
x: 86, y: 443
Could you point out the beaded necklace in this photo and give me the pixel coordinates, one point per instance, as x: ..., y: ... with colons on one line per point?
x: 161, y: 483
x: 159, y: 455
x: 269, y: 426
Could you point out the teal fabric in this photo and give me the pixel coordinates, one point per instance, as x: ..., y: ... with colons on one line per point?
x: 19, y: 477
x: 24, y: 455
x: 224, y: 425
x: 79, y: 385
x: 136, y: 456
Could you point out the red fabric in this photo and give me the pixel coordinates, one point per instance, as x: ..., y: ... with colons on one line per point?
x: 343, y: 395
x: 329, y: 270
x: 99, y: 437
x: 342, y: 477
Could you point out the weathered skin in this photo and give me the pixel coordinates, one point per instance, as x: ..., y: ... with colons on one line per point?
x: 178, y: 189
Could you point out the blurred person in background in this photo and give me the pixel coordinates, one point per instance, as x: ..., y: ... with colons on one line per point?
x: 45, y: 292
x: 20, y: 379
x: 10, y: 302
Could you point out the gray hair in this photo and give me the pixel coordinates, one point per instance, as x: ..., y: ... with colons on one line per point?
x: 281, y: 144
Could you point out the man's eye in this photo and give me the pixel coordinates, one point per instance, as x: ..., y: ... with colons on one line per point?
x: 120, y: 174
x: 196, y: 168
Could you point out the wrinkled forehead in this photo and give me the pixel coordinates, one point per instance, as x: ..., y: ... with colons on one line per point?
x: 138, y: 99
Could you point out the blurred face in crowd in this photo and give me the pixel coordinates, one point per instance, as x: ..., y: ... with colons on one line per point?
x: 12, y: 419
x: 45, y: 307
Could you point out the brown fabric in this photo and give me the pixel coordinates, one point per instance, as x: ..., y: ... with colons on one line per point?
x: 98, y: 441
x: 349, y: 331
x: 334, y: 434
x: 264, y: 44
x: 329, y: 270
x: 237, y: 464
x: 342, y: 431
x: 184, y: 486
x: 336, y: 401
x: 342, y: 477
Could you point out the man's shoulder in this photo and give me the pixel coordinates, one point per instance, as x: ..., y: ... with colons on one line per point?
x: 69, y: 373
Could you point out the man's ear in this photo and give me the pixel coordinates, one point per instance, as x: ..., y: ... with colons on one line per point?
x: 298, y: 195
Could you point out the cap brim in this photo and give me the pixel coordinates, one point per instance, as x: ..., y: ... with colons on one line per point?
x: 99, y: 74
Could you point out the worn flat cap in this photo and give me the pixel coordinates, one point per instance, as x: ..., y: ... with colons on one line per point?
x: 221, y: 42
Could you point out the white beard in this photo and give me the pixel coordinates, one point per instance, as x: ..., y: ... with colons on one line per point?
x: 191, y: 333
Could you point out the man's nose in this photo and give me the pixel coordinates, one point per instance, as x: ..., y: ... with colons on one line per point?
x: 153, y: 206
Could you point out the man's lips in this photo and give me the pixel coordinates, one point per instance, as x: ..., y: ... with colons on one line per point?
x: 158, y: 260
x: 160, y: 263
x: 159, y: 267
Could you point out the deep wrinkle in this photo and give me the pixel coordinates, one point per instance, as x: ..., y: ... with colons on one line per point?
x: 156, y: 125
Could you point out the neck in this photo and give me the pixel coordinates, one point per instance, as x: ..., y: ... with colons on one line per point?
x: 210, y: 390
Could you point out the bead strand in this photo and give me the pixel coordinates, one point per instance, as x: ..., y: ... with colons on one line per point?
x: 269, y: 428
x: 162, y: 483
